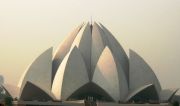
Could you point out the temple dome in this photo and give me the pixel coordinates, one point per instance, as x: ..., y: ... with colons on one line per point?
x: 90, y: 62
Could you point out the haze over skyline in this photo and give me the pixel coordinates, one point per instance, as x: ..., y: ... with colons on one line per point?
x: 151, y: 28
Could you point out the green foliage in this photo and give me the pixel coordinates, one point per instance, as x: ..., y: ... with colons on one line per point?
x: 8, y: 101
x: 176, y: 103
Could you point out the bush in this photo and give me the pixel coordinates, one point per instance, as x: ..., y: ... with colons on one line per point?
x: 176, y: 103
x: 8, y: 101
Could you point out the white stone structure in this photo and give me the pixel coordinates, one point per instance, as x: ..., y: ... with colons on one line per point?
x: 141, y: 73
x: 38, y: 73
x: 90, y: 64
x: 71, y: 75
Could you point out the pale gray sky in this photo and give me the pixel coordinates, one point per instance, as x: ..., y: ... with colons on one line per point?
x: 150, y: 27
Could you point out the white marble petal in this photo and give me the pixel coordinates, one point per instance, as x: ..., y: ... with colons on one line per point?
x: 64, y: 48
x: 12, y: 90
x: 83, y: 43
x: 106, y: 75
x: 39, y: 72
x: 98, y: 45
x: 141, y: 73
x: 71, y: 75
x: 167, y: 94
x: 117, y: 51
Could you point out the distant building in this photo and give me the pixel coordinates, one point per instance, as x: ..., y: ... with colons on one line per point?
x: 90, y: 65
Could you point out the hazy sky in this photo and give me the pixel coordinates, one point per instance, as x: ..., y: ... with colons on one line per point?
x: 150, y: 27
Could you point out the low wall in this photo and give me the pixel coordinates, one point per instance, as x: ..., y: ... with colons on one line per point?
x: 35, y: 103
x: 115, y: 104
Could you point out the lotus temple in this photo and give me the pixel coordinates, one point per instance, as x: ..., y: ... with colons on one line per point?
x: 89, y: 65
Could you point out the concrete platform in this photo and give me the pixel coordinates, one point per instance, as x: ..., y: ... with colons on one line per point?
x: 115, y: 104
x: 78, y: 103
